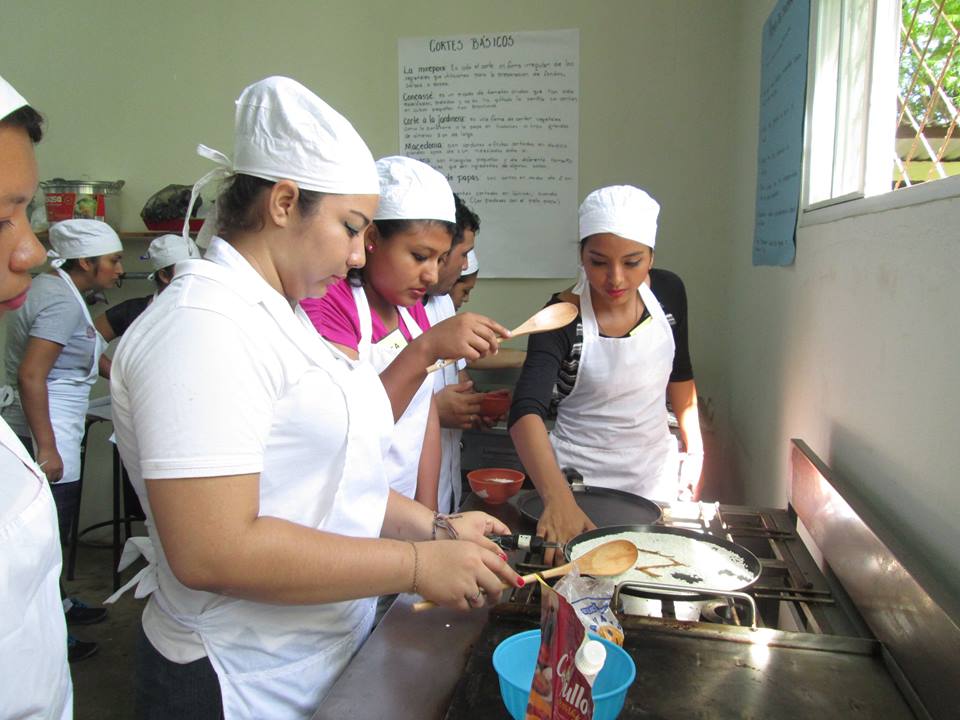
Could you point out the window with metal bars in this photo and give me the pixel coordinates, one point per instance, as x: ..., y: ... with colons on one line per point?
x: 884, y: 83
x: 928, y: 141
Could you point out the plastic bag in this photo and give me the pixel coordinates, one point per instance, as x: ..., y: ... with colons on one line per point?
x: 590, y: 597
x: 170, y: 203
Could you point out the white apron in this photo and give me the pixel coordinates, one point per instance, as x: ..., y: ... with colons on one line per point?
x: 439, y: 308
x: 33, y: 631
x: 278, y: 661
x: 612, y: 427
x: 402, y: 462
x: 69, y: 397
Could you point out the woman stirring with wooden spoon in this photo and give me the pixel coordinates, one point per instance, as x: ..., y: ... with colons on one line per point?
x: 609, y: 374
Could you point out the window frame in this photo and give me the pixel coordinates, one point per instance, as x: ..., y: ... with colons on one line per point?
x: 864, y: 133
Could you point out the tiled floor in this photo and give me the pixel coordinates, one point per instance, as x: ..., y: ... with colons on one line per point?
x: 103, y: 684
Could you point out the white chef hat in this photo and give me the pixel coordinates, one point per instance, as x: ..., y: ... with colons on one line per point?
x: 473, y: 264
x: 10, y: 99
x: 283, y: 131
x: 412, y: 190
x: 623, y: 210
x: 81, y: 238
x: 168, y: 250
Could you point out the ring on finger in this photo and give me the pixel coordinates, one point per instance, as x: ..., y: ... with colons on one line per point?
x: 474, y: 598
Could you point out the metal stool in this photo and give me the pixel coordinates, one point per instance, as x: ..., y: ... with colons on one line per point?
x: 121, y: 513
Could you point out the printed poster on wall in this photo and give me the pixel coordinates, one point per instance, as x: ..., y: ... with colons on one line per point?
x: 783, y: 86
x: 499, y: 115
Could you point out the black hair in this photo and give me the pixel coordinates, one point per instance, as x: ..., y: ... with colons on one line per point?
x: 467, y: 219
x: 584, y: 242
x: 28, y: 119
x: 166, y: 272
x: 74, y: 263
x: 237, y: 209
x: 389, y: 228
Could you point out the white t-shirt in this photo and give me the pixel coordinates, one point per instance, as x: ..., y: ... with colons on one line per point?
x: 212, y: 380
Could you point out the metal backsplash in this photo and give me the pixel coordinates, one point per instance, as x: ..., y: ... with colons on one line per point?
x: 921, y: 638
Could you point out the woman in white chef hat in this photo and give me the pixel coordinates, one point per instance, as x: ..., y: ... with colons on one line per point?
x: 53, y: 349
x: 163, y: 253
x: 611, y: 372
x: 256, y: 448
x: 375, y: 314
x: 33, y: 634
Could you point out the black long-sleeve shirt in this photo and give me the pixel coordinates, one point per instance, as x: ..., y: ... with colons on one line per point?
x: 553, y: 358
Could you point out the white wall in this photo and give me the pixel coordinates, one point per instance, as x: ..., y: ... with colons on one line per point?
x: 853, y: 349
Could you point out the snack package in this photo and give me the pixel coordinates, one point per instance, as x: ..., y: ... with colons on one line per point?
x: 590, y: 597
x: 559, y: 690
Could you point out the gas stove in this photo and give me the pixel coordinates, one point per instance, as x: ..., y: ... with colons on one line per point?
x: 811, y: 654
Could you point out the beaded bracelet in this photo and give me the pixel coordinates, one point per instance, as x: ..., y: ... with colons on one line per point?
x: 442, y: 522
x: 416, y: 567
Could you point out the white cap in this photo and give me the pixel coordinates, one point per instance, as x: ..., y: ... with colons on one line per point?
x: 473, y: 265
x: 168, y: 250
x: 10, y: 99
x: 623, y: 210
x: 412, y: 190
x: 591, y: 655
x: 283, y: 131
x: 81, y: 238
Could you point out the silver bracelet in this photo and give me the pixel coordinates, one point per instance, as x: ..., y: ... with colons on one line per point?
x: 442, y: 522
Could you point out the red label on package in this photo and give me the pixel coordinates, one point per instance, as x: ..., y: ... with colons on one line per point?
x: 559, y: 691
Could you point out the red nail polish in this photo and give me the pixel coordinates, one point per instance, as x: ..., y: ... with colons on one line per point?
x: 503, y: 556
x: 521, y: 582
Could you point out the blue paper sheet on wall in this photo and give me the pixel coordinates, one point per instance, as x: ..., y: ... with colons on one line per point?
x: 783, y: 85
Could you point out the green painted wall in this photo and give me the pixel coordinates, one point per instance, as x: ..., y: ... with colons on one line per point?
x: 129, y: 89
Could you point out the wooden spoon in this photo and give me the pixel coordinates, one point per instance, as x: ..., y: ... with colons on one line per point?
x: 611, y: 558
x: 550, y: 318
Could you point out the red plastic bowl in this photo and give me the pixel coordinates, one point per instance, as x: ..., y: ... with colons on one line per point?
x: 174, y: 225
x: 494, y: 404
x: 488, y: 484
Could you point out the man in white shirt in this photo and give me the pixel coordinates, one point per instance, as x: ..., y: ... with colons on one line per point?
x: 457, y: 403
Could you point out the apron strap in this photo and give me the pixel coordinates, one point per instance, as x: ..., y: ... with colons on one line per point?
x: 145, y: 580
x: 366, y: 322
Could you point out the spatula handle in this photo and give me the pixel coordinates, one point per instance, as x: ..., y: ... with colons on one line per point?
x: 546, y: 575
x: 439, y: 365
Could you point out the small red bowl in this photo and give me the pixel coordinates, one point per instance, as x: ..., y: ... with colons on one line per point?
x: 494, y: 404
x: 495, y: 485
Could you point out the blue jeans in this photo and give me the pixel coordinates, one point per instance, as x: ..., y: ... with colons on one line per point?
x: 166, y: 690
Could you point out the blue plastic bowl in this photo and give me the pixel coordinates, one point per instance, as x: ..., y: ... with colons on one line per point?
x: 516, y: 657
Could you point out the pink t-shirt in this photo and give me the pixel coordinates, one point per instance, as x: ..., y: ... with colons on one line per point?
x: 335, y: 317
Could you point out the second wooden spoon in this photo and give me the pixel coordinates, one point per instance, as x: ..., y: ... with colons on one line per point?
x: 549, y: 318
